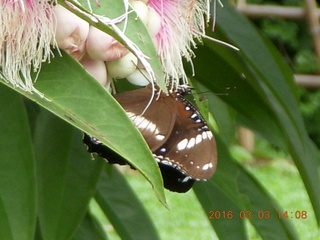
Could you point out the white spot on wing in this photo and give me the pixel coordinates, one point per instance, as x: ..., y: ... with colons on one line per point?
x: 198, y: 138
x: 204, y: 135
x: 137, y: 120
x: 152, y: 127
x: 160, y: 137
x: 131, y: 115
x: 182, y: 144
x: 144, y: 124
x: 209, y: 135
x: 207, y: 166
x: 186, y: 179
x: 193, y: 115
x: 163, y: 150
x: 191, y: 143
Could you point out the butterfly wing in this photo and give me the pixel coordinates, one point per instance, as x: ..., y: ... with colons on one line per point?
x: 95, y: 146
x: 175, y: 180
x: 191, y: 147
x: 156, y: 121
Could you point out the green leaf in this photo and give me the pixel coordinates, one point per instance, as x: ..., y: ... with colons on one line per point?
x: 221, y: 193
x: 226, y: 176
x: 5, y: 227
x: 90, y: 228
x: 263, y: 208
x: 213, y: 199
x: 67, y: 176
x: 223, y: 114
x: 244, y: 98
x: 17, y: 175
x: 122, y: 207
x: 80, y: 100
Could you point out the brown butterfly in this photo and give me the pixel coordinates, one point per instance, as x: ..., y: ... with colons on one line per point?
x: 175, y: 132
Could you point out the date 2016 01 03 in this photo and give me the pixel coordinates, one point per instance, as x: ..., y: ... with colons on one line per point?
x: 257, y: 215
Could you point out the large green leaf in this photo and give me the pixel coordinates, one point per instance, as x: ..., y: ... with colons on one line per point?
x: 223, y: 214
x: 80, y: 100
x: 17, y: 170
x: 264, y: 210
x: 123, y: 208
x: 67, y: 176
x: 90, y: 228
x: 222, y: 76
x: 253, y: 203
x: 221, y: 193
x: 264, y: 96
x: 224, y: 115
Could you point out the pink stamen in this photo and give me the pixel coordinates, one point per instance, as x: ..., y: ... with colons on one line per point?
x: 27, y: 29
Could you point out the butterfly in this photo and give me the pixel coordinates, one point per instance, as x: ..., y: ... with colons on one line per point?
x: 175, y: 131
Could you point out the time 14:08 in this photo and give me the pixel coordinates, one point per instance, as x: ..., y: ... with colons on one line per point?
x: 296, y: 214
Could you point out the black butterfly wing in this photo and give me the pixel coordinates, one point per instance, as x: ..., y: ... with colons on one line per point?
x: 95, y: 146
x: 175, y: 180
x: 191, y: 147
x: 156, y: 121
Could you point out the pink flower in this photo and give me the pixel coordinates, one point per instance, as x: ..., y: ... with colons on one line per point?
x: 181, y: 23
x: 27, y: 27
x: 26, y: 30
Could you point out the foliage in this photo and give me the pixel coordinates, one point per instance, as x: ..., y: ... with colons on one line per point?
x: 47, y: 179
x: 292, y: 38
x: 310, y: 109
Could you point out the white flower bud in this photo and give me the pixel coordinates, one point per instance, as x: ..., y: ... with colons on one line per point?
x: 142, y: 10
x: 96, y: 68
x: 139, y: 77
x: 154, y: 22
x: 71, y: 32
x: 98, y: 43
x: 103, y: 47
x: 122, y: 67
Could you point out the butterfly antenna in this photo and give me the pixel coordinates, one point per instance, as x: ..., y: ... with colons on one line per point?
x: 218, y: 94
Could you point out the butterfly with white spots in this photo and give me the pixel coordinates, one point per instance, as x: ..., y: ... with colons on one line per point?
x: 176, y: 133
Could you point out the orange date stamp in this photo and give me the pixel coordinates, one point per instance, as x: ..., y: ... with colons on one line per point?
x: 257, y: 215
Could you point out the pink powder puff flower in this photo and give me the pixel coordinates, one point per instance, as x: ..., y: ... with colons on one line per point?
x: 181, y: 23
x: 26, y: 29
